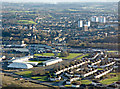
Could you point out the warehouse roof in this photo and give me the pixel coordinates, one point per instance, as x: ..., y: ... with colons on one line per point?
x: 52, y: 60
x: 20, y: 65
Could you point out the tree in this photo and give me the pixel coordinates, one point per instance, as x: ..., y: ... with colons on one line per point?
x: 55, y: 54
x: 64, y: 54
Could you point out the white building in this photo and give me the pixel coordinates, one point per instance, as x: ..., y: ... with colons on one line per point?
x: 94, y: 19
x: 32, y: 63
x: 102, y: 19
x: 72, y: 66
x: 72, y: 79
x: 75, y: 85
x: 55, y: 78
x: 88, y: 23
x: 69, y: 74
x: 20, y: 65
x: 21, y: 59
x: 85, y: 27
x: 109, y: 64
x: 2, y: 57
x: 89, y: 73
x: 21, y: 49
x: 118, y: 84
x: 75, y: 78
x: 80, y: 23
x: 95, y: 83
x: 95, y: 56
x: 104, y: 73
x: 52, y: 61
x: 96, y: 62
x: 68, y: 81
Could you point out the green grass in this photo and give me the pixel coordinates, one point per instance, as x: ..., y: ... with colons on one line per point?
x: 36, y: 77
x: 100, y: 69
x: 36, y: 61
x: 71, y: 55
x: 24, y: 73
x: 114, y: 73
x: 86, y: 82
x: 68, y: 85
x: 50, y: 16
x: 111, y: 51
x: 82, y: 56
x: 45, y: 54
x: 111, y: 80
x: 40, y: 78
x: 26, y: 22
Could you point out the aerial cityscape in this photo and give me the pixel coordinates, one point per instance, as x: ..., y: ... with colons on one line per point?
x: 59, y: 45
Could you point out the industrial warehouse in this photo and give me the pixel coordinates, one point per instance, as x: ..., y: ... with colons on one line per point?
x: 26, y: 61
x: 17, y: 65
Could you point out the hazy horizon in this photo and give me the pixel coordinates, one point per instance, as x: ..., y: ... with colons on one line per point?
x: 57, y: 1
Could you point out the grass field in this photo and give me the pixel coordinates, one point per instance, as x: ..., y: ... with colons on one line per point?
x: 111, y: 80
x: 86, y: 82
x: 99, y: 68
x: 71, y: 55
x: 26, y: 22
x: 45, y: 54
x: 83, y: 56
x: 24, y: 73
x: 40, y: 78
x: 10, y: 82
x: 68, y: 85
x: 111, y: 51
x: 36, y: 61
x: 28, y: 74
x: 50, y: 16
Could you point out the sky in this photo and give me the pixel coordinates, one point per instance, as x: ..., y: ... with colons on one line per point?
x: 55, y: 1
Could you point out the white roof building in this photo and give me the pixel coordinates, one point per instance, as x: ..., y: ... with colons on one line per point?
x: 109, y: 64
x: 104, y: 73
x: 32, y: 63
x: 21, y: 59
x: 52, y: 61
x: 80, y: 23
x: 2, y: 57
x: 21, y: 49
x: 20, y: 65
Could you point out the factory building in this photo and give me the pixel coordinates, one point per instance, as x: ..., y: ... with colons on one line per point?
x: 52, y: 61
x: 21, y: 59
x: 17, y: 65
